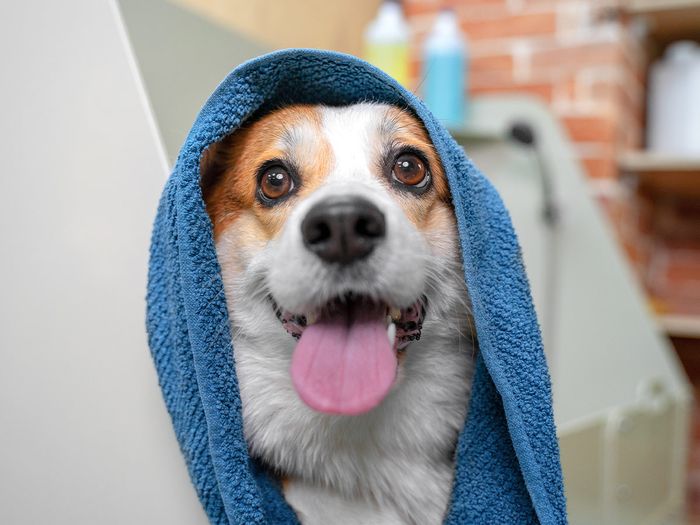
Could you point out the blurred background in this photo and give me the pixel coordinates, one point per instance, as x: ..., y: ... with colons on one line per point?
x: 584, y: 114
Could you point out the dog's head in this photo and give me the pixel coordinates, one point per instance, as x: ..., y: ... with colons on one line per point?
x: 338, y: 249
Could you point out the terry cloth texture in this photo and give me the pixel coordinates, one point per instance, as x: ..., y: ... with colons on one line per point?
x: 507, y: 457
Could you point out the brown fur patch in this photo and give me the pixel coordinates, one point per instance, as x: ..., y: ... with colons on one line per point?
x: 406, y: 130
x: 229, y: 168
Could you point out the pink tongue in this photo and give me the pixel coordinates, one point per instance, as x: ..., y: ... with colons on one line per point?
x: 345, y: 364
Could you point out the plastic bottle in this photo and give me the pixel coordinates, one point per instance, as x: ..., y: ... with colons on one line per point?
x: 674, y: 101
x: 387, y: 41
x: 445, y: 70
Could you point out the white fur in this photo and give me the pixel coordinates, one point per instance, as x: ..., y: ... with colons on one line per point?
x: 393, y: 464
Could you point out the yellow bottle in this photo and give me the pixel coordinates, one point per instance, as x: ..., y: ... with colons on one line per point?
x: 387, y: 42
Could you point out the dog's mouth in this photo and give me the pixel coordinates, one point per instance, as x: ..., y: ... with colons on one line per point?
x: 346, y: 357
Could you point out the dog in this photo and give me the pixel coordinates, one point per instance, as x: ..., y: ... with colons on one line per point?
x: 350, y: 316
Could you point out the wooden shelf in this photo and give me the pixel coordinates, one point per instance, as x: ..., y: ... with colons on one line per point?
x: 663, y: 173
x: 644, y: 161
x: 651, y: 6
x: 668, y: 20
x: 686, y: 326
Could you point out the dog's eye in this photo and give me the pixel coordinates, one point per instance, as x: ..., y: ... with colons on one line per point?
x: 275, y: 183
x: 409, y: 169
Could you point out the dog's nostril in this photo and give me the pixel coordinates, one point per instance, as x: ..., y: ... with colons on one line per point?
x: 369, y: 227
x: 343, y: 229
x: 317, y: 232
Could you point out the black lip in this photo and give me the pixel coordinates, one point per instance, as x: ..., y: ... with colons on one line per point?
x: 341, y: 299
x: 411, y: 329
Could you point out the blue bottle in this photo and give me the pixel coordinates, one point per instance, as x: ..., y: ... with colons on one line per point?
x: 445, y: 71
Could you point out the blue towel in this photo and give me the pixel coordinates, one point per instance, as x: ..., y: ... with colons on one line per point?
x: 507, y: 458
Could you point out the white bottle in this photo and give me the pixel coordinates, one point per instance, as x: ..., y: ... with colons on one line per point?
x: 387, y: 41
x: 674, y: 101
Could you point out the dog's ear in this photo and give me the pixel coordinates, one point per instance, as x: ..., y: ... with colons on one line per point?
x: 211, y: 169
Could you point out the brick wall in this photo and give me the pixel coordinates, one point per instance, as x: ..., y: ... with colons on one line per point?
x: 587, y: 60
x: 579, y: 56
x: 672, y: 275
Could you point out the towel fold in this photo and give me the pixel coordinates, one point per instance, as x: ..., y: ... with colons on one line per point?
x: 507, y: 459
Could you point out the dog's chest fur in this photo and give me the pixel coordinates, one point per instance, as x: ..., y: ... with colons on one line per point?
x: 417, y: 492
x: 392, y: 465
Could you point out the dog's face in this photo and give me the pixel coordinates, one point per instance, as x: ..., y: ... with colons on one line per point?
x: 340, y: 258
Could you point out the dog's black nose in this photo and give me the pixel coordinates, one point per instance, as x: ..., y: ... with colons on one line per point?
x: 343, y: 229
